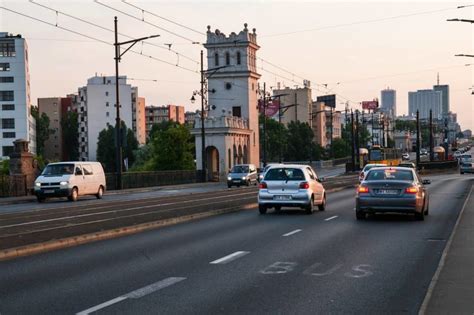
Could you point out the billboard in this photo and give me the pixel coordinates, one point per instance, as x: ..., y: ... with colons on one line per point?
x: 271, y: 108
x: 329, y: 100
x: 370, y: 104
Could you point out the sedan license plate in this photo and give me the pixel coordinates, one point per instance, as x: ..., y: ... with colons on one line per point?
x: 388, y: 191
x: 281, y: 197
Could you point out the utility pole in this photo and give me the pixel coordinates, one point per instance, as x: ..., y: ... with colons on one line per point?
x: 331, y: 151
x: 296, y: 107
x: 417, y: 139
x: 264, y: 125
x: 357, y: 149
x: 118, y: 153
x: 372, y: 128
x: 446, y: 132
x: 203, y: 132
x: 352, y: 142
x: 383, y: 131
x: 431, y: 133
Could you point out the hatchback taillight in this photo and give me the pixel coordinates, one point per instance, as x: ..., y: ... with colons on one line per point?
x: 411, y: 190
x: 304, y: 185
x: 262, y: 185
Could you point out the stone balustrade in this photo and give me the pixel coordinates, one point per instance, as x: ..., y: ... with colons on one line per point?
x: 222, y: 122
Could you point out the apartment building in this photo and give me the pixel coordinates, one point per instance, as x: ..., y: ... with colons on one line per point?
x: 157, y: 114
x: 16, y: 121
x: 324, y: 130
x: 299, y: 102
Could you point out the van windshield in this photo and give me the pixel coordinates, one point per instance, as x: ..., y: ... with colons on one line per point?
x: 58, y: 170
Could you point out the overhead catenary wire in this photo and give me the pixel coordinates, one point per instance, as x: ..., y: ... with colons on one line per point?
x: 110, y: 30
x: 142, y: 20
x: 94, y: 38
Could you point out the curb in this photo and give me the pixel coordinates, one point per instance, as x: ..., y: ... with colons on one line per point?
x: 72, y: 241
x: 434, y: 280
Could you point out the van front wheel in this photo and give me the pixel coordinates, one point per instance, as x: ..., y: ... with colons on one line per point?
x: 74, y: 194
x: 100, y: 193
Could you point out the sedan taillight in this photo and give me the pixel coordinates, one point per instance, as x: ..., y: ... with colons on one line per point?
x: 363, y: 190
x: 262, y: 185
x: 411, y: 190
x: 304, y: 185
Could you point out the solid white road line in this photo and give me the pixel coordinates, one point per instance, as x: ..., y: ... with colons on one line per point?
x: 292, y: 232
x: 328, y: 219
x: 135, y: 294
x: 229, y: 258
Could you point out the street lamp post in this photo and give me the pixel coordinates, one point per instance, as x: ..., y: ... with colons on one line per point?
x: 118, y: 133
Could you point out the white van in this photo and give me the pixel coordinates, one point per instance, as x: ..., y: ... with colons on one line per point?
x: 71, y: 180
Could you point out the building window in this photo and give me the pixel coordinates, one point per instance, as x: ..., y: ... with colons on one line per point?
x: 6, y: 96
x: 238, y: 58
x: 6, y: 79
x: 5, y: 66
x: 8, y: 106
x: 7, y: 150
x: 8, y: 123
x: 228, y: 85
x: 227, y: 58
x: 216, y: 59
x: 236, y: 111
x: 107, y: 114
x: 107, y: 104
x: 9, y: 135
x: 106, y: 93
x: 7, y: 48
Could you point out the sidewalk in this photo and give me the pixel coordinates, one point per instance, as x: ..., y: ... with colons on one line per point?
x: 32, y: 198
x: 452, y: 287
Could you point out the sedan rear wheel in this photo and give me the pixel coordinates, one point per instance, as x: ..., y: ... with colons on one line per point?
x: 420, y: 216
x: 360, y: 215
x: 262, y: 209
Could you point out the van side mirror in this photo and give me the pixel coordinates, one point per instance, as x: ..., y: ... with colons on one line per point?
x: 426, y: 181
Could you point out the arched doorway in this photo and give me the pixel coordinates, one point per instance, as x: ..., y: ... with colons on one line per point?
x: 212, y: 162
x: 240, y: 155
x: 236, y: 161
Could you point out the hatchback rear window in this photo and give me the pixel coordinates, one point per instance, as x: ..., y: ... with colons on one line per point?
x: 389, y: 174
x: 284, y: 174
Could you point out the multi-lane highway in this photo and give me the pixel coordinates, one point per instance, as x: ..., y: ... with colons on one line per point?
x: 247, y: 263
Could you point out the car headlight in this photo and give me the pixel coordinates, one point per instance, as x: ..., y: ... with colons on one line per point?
x: 63, y: 183
x: 38, y: 184
x: 244, y: 178
x: 229, y: 178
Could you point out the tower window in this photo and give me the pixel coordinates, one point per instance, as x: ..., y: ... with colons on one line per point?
x: 227, y: 58
x: 216, y: 59
x: 238, y: 58
x: 228, y: 85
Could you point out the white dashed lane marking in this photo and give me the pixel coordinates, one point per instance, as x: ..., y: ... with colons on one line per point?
x: 229, y: 258
x: 331, y: 218
x: 292, y: 232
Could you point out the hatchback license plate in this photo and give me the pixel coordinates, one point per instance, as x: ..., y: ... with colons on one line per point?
x: 278, y: 197
x: 388, y: 191
x: 48, y: 191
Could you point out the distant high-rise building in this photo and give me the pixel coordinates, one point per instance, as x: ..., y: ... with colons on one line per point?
x: 423, y: 101
x: 302, y: 97
x: 389, y: 102
x: 158, y: 114
x: 444, y: 98
x: 16, y: 121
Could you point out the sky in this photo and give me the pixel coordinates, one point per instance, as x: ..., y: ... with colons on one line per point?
x: 351, y: 48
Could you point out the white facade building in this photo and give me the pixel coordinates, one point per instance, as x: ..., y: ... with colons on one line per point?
x: 423, y: 101
x: 16, y: 121
x: 231, y: 123
x: 95, y: 104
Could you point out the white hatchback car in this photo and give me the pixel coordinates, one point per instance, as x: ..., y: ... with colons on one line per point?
x: 367, y: 168
x: 291, y: 186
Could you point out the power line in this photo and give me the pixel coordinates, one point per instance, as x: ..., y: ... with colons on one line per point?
x: 163, y: 18
x: 94, y: 38
x: 363, y: 22
x: 109, y: 29
x: 149, y: 23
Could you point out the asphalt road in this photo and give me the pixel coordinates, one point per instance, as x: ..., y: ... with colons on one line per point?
x: 247, y: 263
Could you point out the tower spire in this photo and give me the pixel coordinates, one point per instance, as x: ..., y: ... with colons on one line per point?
x: 438, y: 79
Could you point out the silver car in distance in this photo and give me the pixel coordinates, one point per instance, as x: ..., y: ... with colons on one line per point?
x: 291, y: 186
x: 392, y: 189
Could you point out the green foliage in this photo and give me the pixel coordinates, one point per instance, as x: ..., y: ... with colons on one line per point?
x: 4, y: 167
x: 341, y: 148
x: 70, y: 140
x: 402, y: 125
x: 106, y: 147
x: 277, y: 139
x: 300, y: 138
x: 42, y: 129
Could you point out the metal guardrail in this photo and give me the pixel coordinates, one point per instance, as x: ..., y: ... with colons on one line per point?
x: 13, y: 185
x: 150, y: 179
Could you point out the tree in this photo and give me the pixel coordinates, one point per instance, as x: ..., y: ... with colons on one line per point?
x: 171, y: 149
x: 277, y: 139
x: 106, y: 146
x: 70, y: 140
x: 341, y: 148
x: 300, y: 138
x: 42, y: 129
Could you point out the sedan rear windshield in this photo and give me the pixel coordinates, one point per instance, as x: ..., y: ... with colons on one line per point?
x: 58, y: 170
x: 389, y: 174
x: 284, y: 174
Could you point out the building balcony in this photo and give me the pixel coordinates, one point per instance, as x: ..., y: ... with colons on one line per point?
x: 222, y: 122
